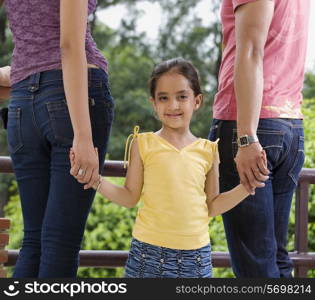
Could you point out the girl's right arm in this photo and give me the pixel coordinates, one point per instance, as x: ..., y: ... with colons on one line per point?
x: 129, y: 194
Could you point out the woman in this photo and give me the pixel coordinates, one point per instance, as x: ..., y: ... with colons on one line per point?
x: 59, y: 99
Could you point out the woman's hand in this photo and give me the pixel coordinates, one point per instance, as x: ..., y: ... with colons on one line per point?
x: 84, y: 163
x: 5, y: 73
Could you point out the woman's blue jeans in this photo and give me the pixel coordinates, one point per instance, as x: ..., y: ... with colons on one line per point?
x: 256, y: 229
x: 54, y: 205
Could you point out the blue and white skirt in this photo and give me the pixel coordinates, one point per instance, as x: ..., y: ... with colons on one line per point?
x: 149, y: 261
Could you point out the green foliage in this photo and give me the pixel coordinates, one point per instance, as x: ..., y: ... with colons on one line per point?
x: 309, y: 86
x: 129, y: 73
x: 13, y: 211
x: 5, y: 39
x: 309, y: 125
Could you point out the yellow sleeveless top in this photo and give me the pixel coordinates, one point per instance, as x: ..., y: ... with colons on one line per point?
x: 174, y: 212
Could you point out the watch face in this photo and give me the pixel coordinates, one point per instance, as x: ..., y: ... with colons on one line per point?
x: 243, y: 140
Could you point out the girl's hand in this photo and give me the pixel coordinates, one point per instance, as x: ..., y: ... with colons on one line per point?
x: 84, y: 163
x: 5, y: 73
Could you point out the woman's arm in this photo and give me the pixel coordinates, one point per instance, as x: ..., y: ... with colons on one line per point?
x: 5, y: 73
x: 4, y: 93
x: 5, y: 83
x: 73, y: 23
x: 129, y: 194
x: 220, y: 203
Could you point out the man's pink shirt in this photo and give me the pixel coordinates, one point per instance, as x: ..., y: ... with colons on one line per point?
x: 284, y: 60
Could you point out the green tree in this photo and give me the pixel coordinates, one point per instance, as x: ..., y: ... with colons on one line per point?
x: 309, y: 86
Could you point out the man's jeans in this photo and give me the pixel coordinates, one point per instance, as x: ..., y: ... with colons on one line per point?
x: 256, y: 229
x: 55, y: 206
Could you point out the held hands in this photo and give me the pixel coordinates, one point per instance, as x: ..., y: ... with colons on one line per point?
x: 251, y: 162
x: 5, y: 76
x: 84, y: 164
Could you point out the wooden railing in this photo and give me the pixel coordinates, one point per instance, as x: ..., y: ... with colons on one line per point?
x: 4, y: 240
x: 302, y: 259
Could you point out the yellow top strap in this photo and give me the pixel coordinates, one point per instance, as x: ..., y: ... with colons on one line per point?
x: 217, y: 141
x: 128, y: 145
x: 216, y: 153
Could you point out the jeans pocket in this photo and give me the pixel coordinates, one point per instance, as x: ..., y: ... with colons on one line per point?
x: 60, y: 122
x: 298, y: 161
x: 14, y: 129
x: 101, y: 111
x: 213, y: 132
x: 270, y: 140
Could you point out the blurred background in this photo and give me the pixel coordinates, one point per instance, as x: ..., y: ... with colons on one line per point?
x: 134, y: 36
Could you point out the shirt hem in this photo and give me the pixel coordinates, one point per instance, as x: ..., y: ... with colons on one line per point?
x: 188, y: 245
x: 58, y: 66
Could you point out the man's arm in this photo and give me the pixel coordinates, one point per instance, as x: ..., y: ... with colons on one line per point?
x: 252, y: 22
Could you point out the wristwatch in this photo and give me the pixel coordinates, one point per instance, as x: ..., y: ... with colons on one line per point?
x: 246, y: 140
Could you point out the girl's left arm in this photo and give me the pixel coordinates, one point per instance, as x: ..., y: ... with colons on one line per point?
x: 219, y: 203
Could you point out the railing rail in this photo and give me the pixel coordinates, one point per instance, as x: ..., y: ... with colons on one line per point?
x: 302, y: 259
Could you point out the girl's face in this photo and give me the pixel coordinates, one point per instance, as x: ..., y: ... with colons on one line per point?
x: 174, y: 100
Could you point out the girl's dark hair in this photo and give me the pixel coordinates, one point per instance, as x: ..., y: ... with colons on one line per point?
x: 177, y: 65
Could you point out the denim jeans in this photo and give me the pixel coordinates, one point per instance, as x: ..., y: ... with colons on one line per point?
x: 256, y: 229
x: 149, y: 261
x: 54, y: 205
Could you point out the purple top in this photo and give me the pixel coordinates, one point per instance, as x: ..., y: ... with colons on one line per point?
x: 35, y: 25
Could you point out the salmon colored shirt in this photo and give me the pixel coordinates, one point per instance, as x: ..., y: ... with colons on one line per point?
x: 174, y: 212
x: 284, y: 60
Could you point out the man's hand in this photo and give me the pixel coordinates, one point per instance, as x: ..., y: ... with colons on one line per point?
x: 5, y: 73
x: 251, y: 162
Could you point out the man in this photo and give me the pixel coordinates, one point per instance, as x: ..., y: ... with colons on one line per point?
x: 258, y: 106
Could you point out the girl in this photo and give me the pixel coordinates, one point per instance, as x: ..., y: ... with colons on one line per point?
x: 59, y: 99
x: 176, y: 176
